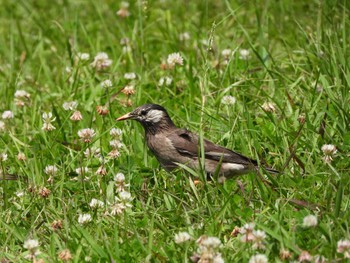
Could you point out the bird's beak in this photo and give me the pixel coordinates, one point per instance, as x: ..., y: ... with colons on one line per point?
x: 125, y: 117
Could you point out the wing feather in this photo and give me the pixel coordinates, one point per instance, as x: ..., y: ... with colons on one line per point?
x: 187, y: 143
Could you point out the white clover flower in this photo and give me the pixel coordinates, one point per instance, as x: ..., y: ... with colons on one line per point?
x: 343, y: 247
x: 114, y: 154
x: 130, y: 75
x: 124, y: 10
x: 228, y: 100
x: 106, y: 83
x: 218, y: 258
x: 115, y: 132
x: 226, y: 53
x: 119, y: 178
x: 125, y: 196
x: 95, y: 203
x: 7, y: 115
x: 329, y: 149
x: 269, y: 107
x: 210, y: 243
x: 101, y: 61
x: 31, y: 244
x: 129, y: 89
x: 259, y: 258
x: 244, y: 54
x: 259, y: 238
x: 76, y: 116
x: 84, y: 219
x: 310, y: 221
x: 247, y: 232
x: 51, y: 170
x: 70, y: 105
x: 86, y: 135
x: 305, y: 256
x: 83, y: 56
x: 116, y: 144
x: 47, y: 119
x: 173, y: 59
x: 19, y: 94
x: 182, y: 237
x: 82, y: 170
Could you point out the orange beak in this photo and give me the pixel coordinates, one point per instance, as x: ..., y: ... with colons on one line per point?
x: 125, y: 117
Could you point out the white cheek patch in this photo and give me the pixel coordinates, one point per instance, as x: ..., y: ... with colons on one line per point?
x: 154, y: 116
x: 233, y: 166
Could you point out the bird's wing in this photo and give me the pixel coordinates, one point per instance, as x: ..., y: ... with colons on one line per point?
x: 187, y: 143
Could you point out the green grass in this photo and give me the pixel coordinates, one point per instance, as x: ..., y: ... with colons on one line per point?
x: 299, y: 61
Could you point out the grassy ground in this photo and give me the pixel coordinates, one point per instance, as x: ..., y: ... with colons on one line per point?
x: 298, y: 61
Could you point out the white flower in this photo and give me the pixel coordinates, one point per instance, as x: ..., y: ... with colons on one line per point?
x: 126, y: 49
x: 182, y: 237
x: 343, y: 246
x: 244, y: 54
x: 31, y: 244
x: 7, y: 115
x: 125, y: 196
x: 329, y: 149
x: 101, y: 61
x: 173, y: 59
x: 129, y: 89
x: 83, y: 56
x: 119, y: 178
x: 213, y: 242
x: 47, y: 119
x: 21, y: 94
x: 106, y: 83
x: 86, y: 135
x: 95, y: 203
x: 116, y: 144
x: 247, y: 232
x: 124, y: 41
x: 114, y: 154
x: 51, y: 170
x: 268, y: 107
x: 258, y: 241
x: 228, y: 100
x: 84, y: 218
x: 82, y: 170
x: 259, y: 258
x: 218, y: 258
x: 70, y: 105
x: 76, y: 116
x: 226, y: 53
x: 130, y: 75
x: 310, y: 221
x: 115, y: 132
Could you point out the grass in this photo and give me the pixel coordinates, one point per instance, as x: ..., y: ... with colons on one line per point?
x: 299, y: 62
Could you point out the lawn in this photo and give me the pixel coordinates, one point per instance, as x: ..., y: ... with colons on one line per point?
x: 268, y: 79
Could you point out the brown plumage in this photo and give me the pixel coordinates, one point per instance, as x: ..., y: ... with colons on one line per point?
x: 173, y: 146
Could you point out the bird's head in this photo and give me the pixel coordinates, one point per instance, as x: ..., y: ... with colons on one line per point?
x: 151, y: 116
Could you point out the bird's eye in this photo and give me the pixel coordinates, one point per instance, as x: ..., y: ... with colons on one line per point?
x: 143, y: 112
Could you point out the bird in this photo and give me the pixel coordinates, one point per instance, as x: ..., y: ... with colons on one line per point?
x: 175, y: 147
